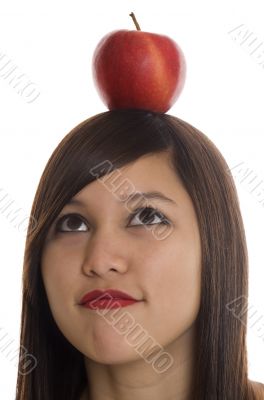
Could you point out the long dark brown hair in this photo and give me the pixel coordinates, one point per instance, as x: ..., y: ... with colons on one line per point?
x: 122, y: 136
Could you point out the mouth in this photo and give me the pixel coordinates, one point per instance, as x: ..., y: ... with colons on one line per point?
x: 99, y: 299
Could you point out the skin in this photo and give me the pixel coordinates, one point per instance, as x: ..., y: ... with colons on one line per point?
x: 111, y: 251
x: 259, y: 389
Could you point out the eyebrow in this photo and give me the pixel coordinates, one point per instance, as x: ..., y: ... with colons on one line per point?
x: 153, y: 195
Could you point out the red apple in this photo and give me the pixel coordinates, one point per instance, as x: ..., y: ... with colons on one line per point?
x: 136, y: 69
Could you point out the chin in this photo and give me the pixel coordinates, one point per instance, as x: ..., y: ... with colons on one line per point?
x: 113, y: 355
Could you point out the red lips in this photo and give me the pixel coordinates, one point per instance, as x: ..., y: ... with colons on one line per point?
x: 94, y: 294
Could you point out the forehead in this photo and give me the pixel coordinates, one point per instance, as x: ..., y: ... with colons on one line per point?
x: 149, y: 173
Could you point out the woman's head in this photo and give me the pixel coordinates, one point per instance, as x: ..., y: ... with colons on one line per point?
x: 197, y: 263
x: 102, y: 247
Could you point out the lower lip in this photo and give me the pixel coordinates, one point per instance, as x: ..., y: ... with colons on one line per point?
x: 105, y: 303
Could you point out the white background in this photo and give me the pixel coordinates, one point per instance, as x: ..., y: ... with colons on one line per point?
x: 53, y: 42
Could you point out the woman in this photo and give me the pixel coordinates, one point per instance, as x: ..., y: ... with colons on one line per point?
x: 180, y: 253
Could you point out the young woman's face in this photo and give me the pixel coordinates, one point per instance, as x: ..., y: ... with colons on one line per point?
x: 104, y: 247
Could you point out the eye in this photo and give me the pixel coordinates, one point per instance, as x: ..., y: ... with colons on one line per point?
x: 71, y: 221
x: 148, y: 214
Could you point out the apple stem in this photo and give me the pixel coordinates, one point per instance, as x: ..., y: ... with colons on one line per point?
x: 135, y: 21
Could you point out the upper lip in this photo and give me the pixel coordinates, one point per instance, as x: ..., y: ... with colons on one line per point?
x: 117, y: 294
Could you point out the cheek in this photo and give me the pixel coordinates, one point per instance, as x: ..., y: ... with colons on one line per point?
x: 172, y: 276
x: 58, y: 269
x: 171, y: 268
x: 177, y: 283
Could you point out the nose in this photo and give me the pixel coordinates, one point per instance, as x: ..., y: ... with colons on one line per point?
x: 105, y: 253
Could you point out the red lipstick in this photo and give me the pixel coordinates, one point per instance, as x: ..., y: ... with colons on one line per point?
x: 109, y: 298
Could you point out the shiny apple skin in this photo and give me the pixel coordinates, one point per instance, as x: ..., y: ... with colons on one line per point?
x: 136, y: 69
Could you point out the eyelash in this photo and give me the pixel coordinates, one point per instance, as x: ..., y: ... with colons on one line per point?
x: 154, y: 212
